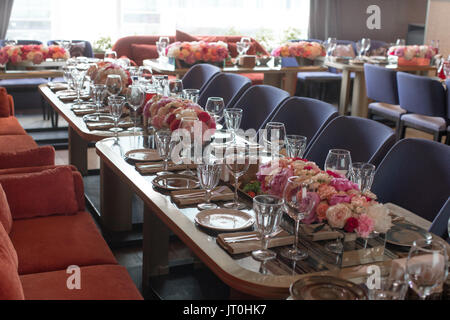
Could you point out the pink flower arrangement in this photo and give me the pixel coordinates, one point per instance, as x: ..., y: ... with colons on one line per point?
x: 192, y: 52
x: 411, y: 52
x: 339, y: 201
x: 31, y: 53
x: 166, y: 113
x: 303, y: 49
x: 100, y: 74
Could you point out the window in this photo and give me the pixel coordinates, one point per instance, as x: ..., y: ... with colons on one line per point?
x: 91, y: 19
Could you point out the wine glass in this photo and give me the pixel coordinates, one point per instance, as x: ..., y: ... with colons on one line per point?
x: 427, y: 266
x: 233, y: 119
x: 191, y: 94
x: 330, y: 46
x: 268, y: 212
x: 98, y: 95
x: 114, y: 84
x: 208, y: 176
x: 296, y: 146
x: 340, y: 162
x: 298, y: 204
x: 116, y: 109
x: 164, y: 145
x: 67, y: 74
x: 400, y: 42
x: 363, y: 174
x: 215, y: 106
x: 78, y: 82
x: 247, y: 44
x: 188, y: 124
x: 145, y: 73
x: 10, y: 42
x: 241, y: 48
x: 176, y: 88
x: 274, y: 137
x: 135, y: 99
x: 435, y: 45
x: 238, y: 163
x: 134, y: 73
x: 163, y: 44
x: 110, y: 56
x: 365, y: 46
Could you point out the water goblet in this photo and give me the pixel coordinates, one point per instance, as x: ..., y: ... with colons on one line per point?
x: 365, y: 46
x: 241, y: 48
x: 164, y: 145
x: 98, y: 95
x: 298, y: 204
x: 296, y: 146
x: 176, y: 88
x: 268, y: 211
x: 110, y: 56
x: 390, y: 289
x: 116, y: 109
x: 274, y: 137
x: 209, y: 176
x: 215, y: 106
x: 114, y: 84
x: 330, y: 46
x: 78, y: 82
x: 340, y: 162
x: 233, y: 119
x: 363, y: 174
x: 188, y: 124
x: 400, y: 42
x: 191, y: 94
x: 247, y: 44
x: 237, y: 162
x: 135, y: 99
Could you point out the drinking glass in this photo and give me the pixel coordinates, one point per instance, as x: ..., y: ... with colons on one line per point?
x: 238, y: 163
x: 144, y: 73
x: 241, y: 48
x: 98, y: 92
x: 110, y: 56
x: 362, y: 174
x: 215, y: 107
x: 116, y: 109
x: 78, y: 82
x: 296, y: 146
x: 330, y: 46
x: 164, y: 145
x: 176, y: 88
x: 165, y: 41
x: 233, y: 119
x: 114, y: 84
x: 427, y: 266
x: 400, y: 42
x: 268, y: 212
x: 10, y: 42
x: 158, y: 81
x: 298, y: 203
x: 365, y: 46
x: 390, y: 289
x: 188, y: 124
x: 435, y: 45
x: 65, y: 44
x: 135, y: 99
x: 274, y: 137
x: 247, y: 44
x: 339, y: 161
x: 67, y: 73
x: 209, y: 176
x: 191, y: 94
x: 134, y: 74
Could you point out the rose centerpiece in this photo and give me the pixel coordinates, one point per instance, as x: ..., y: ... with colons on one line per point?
x: 186, y: 54
x: 305, y: 52
x: 31, y: 54
x: 413, y: 55
x: 100, y: 73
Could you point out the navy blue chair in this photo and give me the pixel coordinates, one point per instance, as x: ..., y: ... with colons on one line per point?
x: 88, y: 51
x: 228, y: 86
x: 259, y: 104
x: 440, y: 226
x: 305, y: 116
x: 367, y: 140
x: 199, y: 76
x: 381, y: 85
x: 425, y: 99
x: 415, y: 175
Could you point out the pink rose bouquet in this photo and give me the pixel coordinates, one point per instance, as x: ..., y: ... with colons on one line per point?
x: 411, y: 52
x: 303, y: 49
x: 100, y: 74
x: 31, y: 53
x: 192, y: 52
x: 338, y: 200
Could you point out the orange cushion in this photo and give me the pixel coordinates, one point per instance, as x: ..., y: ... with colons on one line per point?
x: 10, y: 285
x: 31, y: 169
x: 58, y: 242
x: 40, y: 156
x: 257, y: 78
x: 11, y: 143
x: 10, y: 126
x: 5, y: 107
x: 140, y: 52
x: 97, y: 283
x: 183, y: 36
x: 5, y: 212
x: 45, y: 193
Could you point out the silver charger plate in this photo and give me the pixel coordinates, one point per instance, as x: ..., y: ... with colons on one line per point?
x: 326, y: 288
x: 404, y: 234
x: 176, y: 182
x: 224, y: 220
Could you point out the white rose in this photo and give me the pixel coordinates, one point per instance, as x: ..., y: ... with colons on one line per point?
x: 380, y: 215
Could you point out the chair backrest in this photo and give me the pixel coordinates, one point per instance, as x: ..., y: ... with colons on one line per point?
x: 367, y: 140
x: 440, y: 226
x: 199, y: 76
x: 415, y: 175
x: 305, y: 116
x: 421, y: 95
x: 22, y: 42
x: 228, y: 86
x: 381, y: 84
x: 259, y: 103
x: 88, y: 51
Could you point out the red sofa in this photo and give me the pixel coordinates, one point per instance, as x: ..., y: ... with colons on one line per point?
x: 44, y: 229
x: 139, y: 48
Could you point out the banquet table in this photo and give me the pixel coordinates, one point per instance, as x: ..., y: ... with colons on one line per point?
x: 359, y: 106
x: 281, y: 77
x: 28, y: 74
x: 245, y: 276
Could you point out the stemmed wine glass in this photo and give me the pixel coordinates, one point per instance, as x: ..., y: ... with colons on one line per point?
x: 110, y: 56
x: 298, y: 203
x: 233, y: 119
x: 188, y: 124
x: 330, y: 46
x: 400, y: 42
x: 114, y: 84
x: 215, y: 106
x: 268, y: 212
x: 116, y: 109
x: 238, y: 163
x: 176, y: 88
x: 164, y: 145
x: 78, y: 82
x: 135, y: 99
x: 98, y: 95
x: 247, y: 44
x: 162, y: 44
x: 209, y: 176
x: 363, y: 174
x: 241, y: 48
x: 427, y: 266
x: 274, y: 137
x: 191, y: 94
x: 296, y: 146
x: 67, y: 73
x: 365, y: 46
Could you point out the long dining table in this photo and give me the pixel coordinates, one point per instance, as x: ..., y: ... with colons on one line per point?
x: 245, y: 276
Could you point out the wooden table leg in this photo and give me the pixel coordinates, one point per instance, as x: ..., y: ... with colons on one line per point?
x: 115, y: 201
x: 290, y: 83
x: 78, y: 152
x: 155, y: 247
x: 360, y: 102
x: 274, y: 79
x: 345, y: 92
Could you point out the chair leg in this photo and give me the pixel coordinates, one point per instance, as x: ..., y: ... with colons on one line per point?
x: 401, y: 130
x: 437, y: 137
x: 398, y: 128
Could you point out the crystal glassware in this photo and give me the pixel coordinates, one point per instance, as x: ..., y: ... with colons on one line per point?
x: 215, y: 106
x: 67, y: 73
x: 209, y: 176
x: 176, y: 88
x: 188, y: 124
x: 78, y: 82
x: 98, y: 95
x: 274, y: 137
x: 191, y: 94
x: 233, y: 119
x: 296, y: 146
x: 247, y: 44
x: 241, y: 48
x: 427, y: 266
x: 330, y: 46
x: 164, y: 145
x: 400, y: 42
x: 298, y: 204
x: 363, y: 174
x: 238, y: 163
x: 110, y: 56
x: 340, y: 162
x: 114, y: 84
x: 365, y: 46
x: 268, y: 211
x: 389, y: 289
x: 135, y: 99
x: 116, y: 109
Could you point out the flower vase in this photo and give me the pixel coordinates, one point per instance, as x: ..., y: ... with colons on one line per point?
x: 304, y: 61
x: 365, y: 250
